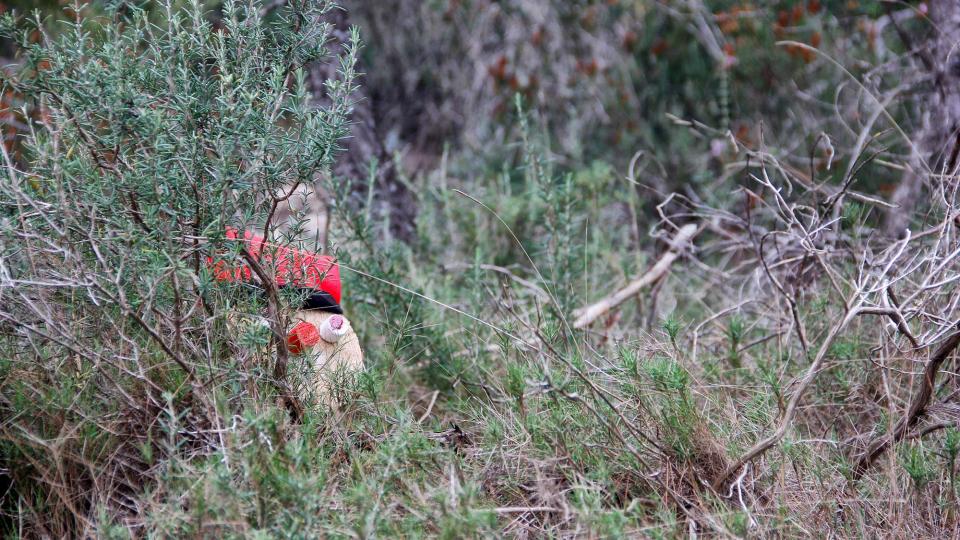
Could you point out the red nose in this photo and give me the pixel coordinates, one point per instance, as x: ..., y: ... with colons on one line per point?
x: 301, y: 337
x: 336, y: 322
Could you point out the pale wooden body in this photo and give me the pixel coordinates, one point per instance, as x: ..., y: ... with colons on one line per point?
x: 333, y: 363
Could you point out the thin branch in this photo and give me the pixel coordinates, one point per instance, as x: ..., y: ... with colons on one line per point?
x: 588, y: 314
x: 917, y: 410
x: 277, y: 334
x: 791, y: 410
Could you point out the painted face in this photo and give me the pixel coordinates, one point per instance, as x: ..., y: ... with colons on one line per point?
x: 306, y: 335
x: 329, y: 342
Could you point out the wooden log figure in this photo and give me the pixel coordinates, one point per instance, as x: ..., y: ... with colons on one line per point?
x: 319, y: 330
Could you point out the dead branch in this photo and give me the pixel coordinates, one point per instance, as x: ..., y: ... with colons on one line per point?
x: 917, y: 409
x: 791, y: 410
x: 588, y: 314
x: 277, y: 336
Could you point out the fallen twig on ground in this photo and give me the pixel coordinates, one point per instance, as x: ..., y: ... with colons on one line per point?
x: 586, y: 315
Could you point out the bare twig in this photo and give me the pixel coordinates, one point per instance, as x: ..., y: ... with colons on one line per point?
x: 426, y: 413
x: 525, y: 509
x: 918, y: 407
x: 588, y: 314
x: 277, y: 331
x: 791, y: 410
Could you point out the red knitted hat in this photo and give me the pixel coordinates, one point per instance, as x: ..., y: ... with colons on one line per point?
x: 318, y: 275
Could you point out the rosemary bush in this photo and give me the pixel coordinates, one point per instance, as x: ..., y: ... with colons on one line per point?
x: 151, y: 133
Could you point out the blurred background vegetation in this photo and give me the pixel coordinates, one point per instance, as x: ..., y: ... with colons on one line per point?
x: 603, y: 79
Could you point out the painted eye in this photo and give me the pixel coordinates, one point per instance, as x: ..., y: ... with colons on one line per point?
x: 301, y: 337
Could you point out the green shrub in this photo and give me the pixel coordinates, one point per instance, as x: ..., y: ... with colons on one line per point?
x: 153, y: 133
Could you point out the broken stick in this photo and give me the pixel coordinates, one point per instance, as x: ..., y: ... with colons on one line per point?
x: 586, y: 315
x: 918, y: 408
